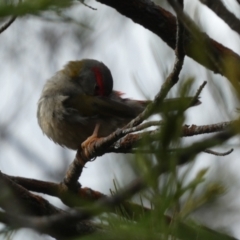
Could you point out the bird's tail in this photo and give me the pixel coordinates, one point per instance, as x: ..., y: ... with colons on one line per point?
x: 171, y: 104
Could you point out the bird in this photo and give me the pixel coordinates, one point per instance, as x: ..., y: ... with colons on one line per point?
x: 79, y: 101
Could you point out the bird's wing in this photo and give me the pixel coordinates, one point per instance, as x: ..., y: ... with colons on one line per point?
x: 115, y: 106
x: 91, y: 106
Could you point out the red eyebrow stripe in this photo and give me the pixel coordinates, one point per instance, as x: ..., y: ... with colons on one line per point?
x: 99, y: 79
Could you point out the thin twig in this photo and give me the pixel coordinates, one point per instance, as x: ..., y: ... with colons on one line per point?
x: 217, y: 153
x: 189, y: 152
x: 92, y: 8
x: 171, y: 80
x: 193, y: 130
x: 7, y: 24
x: 203, y: 42
x: 142, y: 127
x: 198, y: 92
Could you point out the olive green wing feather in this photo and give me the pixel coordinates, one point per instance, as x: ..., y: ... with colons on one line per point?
x: 90, y: 106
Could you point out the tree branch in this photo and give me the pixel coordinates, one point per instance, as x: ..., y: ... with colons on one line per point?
x: 19, y: 201
x: 163, y: 24
x: 221, y: 11
x: 64, y: 225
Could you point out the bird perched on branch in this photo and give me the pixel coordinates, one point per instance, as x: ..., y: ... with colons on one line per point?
x: 80, y: 97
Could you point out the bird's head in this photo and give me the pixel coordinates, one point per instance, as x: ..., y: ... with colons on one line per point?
x: 92, y: 76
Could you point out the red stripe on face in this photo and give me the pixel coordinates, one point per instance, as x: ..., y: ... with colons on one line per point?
x: 99, y: 78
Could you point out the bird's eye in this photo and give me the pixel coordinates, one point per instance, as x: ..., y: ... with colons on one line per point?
x: 96, y: 90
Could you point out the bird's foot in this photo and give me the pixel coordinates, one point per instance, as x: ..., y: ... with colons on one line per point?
x: 87, y: 144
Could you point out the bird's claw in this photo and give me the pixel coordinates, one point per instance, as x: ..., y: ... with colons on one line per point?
x: 87, y: 146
